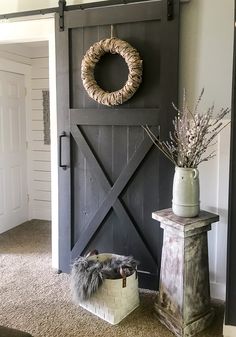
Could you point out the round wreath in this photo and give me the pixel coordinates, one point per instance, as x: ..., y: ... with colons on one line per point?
x: 91, y: 58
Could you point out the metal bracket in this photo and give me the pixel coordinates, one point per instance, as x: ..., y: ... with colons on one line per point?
x: 170, y: 10
x: 62, y: 4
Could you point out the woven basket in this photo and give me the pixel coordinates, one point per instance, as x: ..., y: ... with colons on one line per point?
x: 115, y: 299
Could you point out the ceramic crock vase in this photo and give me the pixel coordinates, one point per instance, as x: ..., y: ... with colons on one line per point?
x: 185, y: 202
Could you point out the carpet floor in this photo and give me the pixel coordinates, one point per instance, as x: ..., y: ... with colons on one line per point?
x: 35, y: 299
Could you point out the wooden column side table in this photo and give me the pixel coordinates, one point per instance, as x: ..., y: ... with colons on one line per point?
x: 183, y: 304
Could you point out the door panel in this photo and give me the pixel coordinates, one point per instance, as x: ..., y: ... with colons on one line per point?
x: 115, y: 177
x: 13, y: 169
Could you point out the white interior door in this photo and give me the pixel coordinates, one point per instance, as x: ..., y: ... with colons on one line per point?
x: 13, y: 152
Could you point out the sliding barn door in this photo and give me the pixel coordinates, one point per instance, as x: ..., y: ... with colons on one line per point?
x: 112, y: 177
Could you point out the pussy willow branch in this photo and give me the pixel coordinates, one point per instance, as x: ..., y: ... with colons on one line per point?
x: 158, y: 144
x: 192, y: 134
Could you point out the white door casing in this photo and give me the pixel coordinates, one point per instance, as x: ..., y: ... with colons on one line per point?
x: 13, y: 151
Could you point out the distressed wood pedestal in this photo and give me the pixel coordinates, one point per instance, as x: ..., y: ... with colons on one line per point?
x: 183, y: 303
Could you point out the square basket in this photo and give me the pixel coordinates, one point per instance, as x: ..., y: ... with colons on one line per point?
x: 116, y: 298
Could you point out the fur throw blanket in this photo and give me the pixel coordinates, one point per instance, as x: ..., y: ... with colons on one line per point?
x: 87, y: 274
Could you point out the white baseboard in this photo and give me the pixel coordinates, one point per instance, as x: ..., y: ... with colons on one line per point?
x: 229, y: 331
x: 217, y: 291
x: 41, y: 213
x: 6, y: 228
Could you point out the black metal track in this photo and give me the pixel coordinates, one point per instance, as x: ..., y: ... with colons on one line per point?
x: 68, y: 8
x: 29, y: 13
x: 44, y: 11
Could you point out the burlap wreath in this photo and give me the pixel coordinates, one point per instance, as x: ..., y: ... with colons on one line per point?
x: 91, y: 58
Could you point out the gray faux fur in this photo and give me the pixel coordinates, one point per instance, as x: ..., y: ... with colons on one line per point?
x: 88, y: 275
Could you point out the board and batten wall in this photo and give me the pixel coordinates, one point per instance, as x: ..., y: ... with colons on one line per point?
x: 40, y: 196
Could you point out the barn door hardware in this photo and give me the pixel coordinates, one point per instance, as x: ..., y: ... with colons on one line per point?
x: 170, y: 10
x: 63, y: 135
x: 62, y: 7
x: 62, y: 4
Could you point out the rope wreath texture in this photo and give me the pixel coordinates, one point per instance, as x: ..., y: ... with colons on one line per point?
x: 92, y: 57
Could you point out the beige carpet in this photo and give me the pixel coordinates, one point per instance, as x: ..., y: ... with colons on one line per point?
x: 35, y: 299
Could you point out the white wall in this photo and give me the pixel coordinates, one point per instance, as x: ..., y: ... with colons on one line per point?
x: 206, y: 57
x: 206, y: 50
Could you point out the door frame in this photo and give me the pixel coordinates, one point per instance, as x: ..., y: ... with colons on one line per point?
x: 230, y: 321
x: 41, y: 28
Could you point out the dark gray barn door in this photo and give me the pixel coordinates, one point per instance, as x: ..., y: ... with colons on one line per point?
x: 116, y: 178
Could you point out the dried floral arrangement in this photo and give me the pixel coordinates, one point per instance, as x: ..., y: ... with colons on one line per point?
x: 193, y: 133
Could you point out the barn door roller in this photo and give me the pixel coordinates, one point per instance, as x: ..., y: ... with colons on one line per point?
x: 62, y: 4
x: 170, y: 10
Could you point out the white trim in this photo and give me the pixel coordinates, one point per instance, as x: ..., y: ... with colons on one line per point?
x: 54, y: 149
x: 44, y: 213
x: 32, y: 31
x: 218, y: 290
x: 229, y: 331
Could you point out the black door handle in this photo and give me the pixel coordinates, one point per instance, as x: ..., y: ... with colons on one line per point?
x: 60, y: 150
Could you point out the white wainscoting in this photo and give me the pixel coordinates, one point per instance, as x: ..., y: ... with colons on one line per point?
x: 214, y: 183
